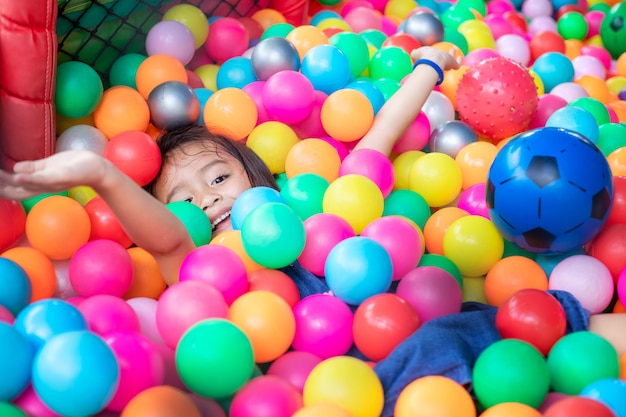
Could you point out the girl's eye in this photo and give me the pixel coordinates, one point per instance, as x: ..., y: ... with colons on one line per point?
x: 188, y: 200
x: 220, y: 179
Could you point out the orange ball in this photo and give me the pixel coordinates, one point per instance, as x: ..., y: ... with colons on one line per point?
x: 511, y: 274
x: 451, y: 82
x: 121, y: 108
x: 232, y: 112
x: 436, y: 226
x: 313, y: 156
x: 157, y: 69
x: 573, y: 48
x: 432, y: 396
x: 148, y: 280
x: 232, y: 240
x: 620, y: 65
x: 596, y: 88
x: 347, y: 115
x: 474, y: 160
x: 305, y: 37
x: 38, y: 267
x: 161, y: 401
x: 267, y: 320
x: 276, y: 281
x: 619, y: 107
x: 617, y: 162
x: 322, y: 410
x: 268, y: 17
x: 58, y: 226
x: 511, y: 410
x: 619, y: 307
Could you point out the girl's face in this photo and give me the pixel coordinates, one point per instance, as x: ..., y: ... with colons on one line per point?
x: 203, y: 176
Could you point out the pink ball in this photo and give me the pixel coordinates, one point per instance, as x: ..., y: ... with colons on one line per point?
x: 323, y: 232
x: 498, y: 25
x: 594, y: 20
x: 255, y: 91
x: 311, y: 126
x: 388, y: 26
x: 6, y: 316
x: 219, y: 266
x: 547, y: 104
x: 141, y: 366
x: 106, y: 314
x: 587, y: 279
x: 569, y: 91
x: 621, y: 286
x: 101, y: 266
x: 145, y: 308
x: 342, y: 150
x: 433, y: 292
x: 415, y: 137
x: 401, y: 239
x: 172, y: 38
x: 534, y: 8
x: 184, y: 304
x: 288, y: 96
x: 499, y: 7
x: 371, y: 164
x: 473, y: 200
x: 227, y: 39
x: 478, y: 55
x: 588, y: 65
x: 550, y: 399
x: 514, y: 47
x: 266, y: 395
x: 351, y: 5
x: 541, y: 24
x: 599, y: 53
x: 294, y: 367
x: 363, y: 18
x: 75, y: 301
x: 323, y: 326
x: 612, y: 115
x: 32, y: 406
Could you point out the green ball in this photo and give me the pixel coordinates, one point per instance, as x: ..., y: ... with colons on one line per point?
x: 595, y: 107
x: 124, y: 70
x: 78, y: 91
x: 409, y: 204
x: 390, y: 62
x: 214, y: 358
x: 454, y: 15
x: 281, y: 179
x: 511, y: 370
x: 613, y: 30
x: 440, y: 261
x: 456, y: 38
x: 304, y: 193
x: 9, y: 410
x: 374, y: 37
x: 278, y: 29
x: 572, y: 25
x: 387, y: 86
x: 273, y: 235
x: 355, y: 48
x: 29, y: 203
x: 477, y: 5
x: 195, y: 220
x: 580, y: 358
x: 612, y: 136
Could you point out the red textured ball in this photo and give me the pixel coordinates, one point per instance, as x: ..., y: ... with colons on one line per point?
x: 136, y: 154
x: 533, y: 316
x: 12, y: 222
x: 497, y: 97
x: 578, y: 407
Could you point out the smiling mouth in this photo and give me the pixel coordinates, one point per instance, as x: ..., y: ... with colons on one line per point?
x: 220, y: 220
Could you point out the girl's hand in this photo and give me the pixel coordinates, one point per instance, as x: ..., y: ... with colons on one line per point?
x: 445, y: 60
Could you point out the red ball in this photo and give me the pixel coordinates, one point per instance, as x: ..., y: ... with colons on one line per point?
x: 381, y: 323
x: 136, y: 154
x: 617, y: 215
x: 578, y: 407
x: 275, y: 281
x: 12, y: 222
x: 546, y: 41
x: 402, y: 40
x: 228, y: 38
x: 533, y: 316
x: 497, y: 98
x: 104, y: 223
x: 609, y: 247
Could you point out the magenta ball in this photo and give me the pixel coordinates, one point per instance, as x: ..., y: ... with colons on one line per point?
x: 219, y: 266
x: 599, y: 53
x: 621, y: 286
x: 255, y: 91
x: 547, y: 104
x: 478, y: 55
x: 401, y: 239
x: 172, y: 38
x: 594, y: 20
x: 288, y: 96
x: 6, y: 316
x: 227, y: 39
x: 498, y: 25
x: 101, y: 266
x: 323, y: 231
x: 587, y: 279
x: 184, y: 304
x: 141, y: 366
x: 473, y: 200
x: 145, y: 308
x: 341, y: 148
x: 323, y: 326
x: 311, y: 126
x: 294, y: 367
x: 499, y: 7
x: 415, y: 137
x: 371, y: 164
x: 265, y: 396
x: 106, y: 314
x: 432, y: 291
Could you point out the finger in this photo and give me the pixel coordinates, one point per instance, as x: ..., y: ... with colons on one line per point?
x: 24, y: 166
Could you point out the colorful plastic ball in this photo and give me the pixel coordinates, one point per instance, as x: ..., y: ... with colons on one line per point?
x: 373, y: 94
x: 478, y: 55
x: 514, y: 47
x: 390, y: 62
x: 322, y: 410
x: 136, y: 154
x: 311, y: 127
x: 81, y: 137
x: 578, y: 406
x: 579, y: 359
x: 304, y: 194
x: 76, y: 373
x: 235, y: 72
x: 381, y: 323
x: 347, y: 115
x: 511, y: 409
x: 145, y: 309
x: 511, y: 274
x: 104, y: 223
x: 553, y: 68
x: 274, y: 281
x: 193, y: 18
x: 157, y: 69
x: 195, y: 220
x: 57, y: 226
x: 450, y: 137
x: 313, y: 156
x: 354, y: 48
x: 438, y: 108
x: 612, y: 30
x: 273, y: 55
x: 576, y: 119
x: 533, y: 316
x: 434, y: 396
x: 288, y: 96
x: 231, y: 111
x: 31, y: 404
x: 609, y: 247
x: 161, y: 401
x: 585, y: 277
x: 173, y: 104
x: 214, y: 358
x: 294, y: 367
x: 437, y: 178
x: 609, y: 392
x: 39, y: 269
x: 323, y: 326
x: 106, y: 313
x: 572, y: 25
x: 371, y: 164
x: 327, y: 68
x: 227, y: 38
x: 15, y: 287
x: 173, y: 38
x: 511, y: 370
x: 12, y: 221
x: 347, y: 382
x: 6, y: 316
x: 9, y: 410
x: 78, y: 89
x: 140, y: 363
x: 265, y: 393
x: 17, y: 354
x: 473, y: 200
x: 251, y: 199
x: 425, y: 27
x: 569, y: 91
x: 272, y: 141
x: 548, y: 104
x: 409, y: 204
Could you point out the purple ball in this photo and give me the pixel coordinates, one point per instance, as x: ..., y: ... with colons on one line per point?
x: 173, y: 38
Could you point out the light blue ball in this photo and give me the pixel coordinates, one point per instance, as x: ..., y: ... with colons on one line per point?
x: 369, y: 90
x: 235, y: 72
x: 610, y: 392
x: 327, y: 67
x: 251, y: 199
x: 203, y: 95
x: 323, y: 15
x: 577, y: 119
x: 553, y: 68
x: 15, y: 286
x: 16, y: 359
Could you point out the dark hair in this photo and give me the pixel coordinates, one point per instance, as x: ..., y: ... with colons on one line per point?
x: 257, y: 171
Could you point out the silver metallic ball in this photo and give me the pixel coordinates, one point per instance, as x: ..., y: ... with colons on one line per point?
x: 425, y: 27
x: 172, y: 105
x: 81, y: 137
x: 450, y: 137
x: 273, y: 55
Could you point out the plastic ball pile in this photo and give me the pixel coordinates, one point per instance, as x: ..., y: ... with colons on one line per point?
x: 511, y: 181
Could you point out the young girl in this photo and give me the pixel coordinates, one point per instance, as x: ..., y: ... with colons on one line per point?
x: 211, y: 171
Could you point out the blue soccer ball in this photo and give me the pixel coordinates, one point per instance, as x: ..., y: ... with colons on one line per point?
x: 549, y: 190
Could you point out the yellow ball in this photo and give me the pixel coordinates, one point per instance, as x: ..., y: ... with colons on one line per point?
x: 432, y: 396
x: 402, y: 165
x: 437, y: 177
x: 208, y: 75
x: 348, y: 383
x: 538, y: 82
x: 192, y: 17
x: 400, y: 8
x: 616, y: 84
x: 334, y: 22
x: 322, y: 410
x: 478, y: 35
x: 355, y: 198
x: 474, y: 245
x: 272, y: 141
x: 82, y: 193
